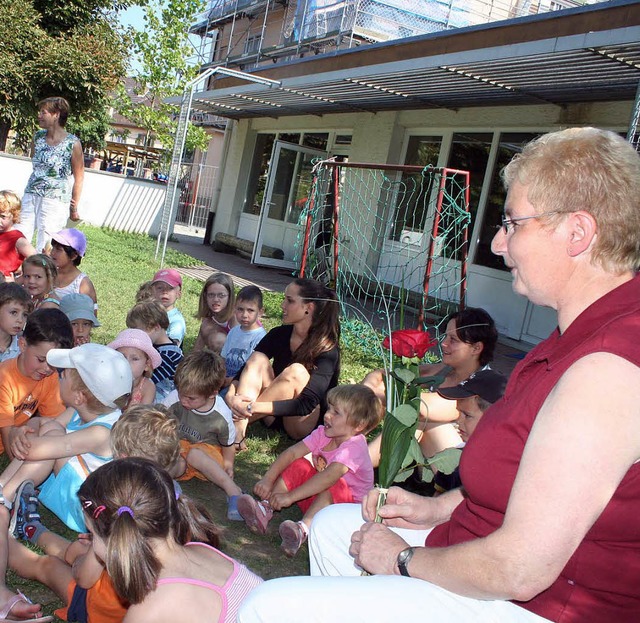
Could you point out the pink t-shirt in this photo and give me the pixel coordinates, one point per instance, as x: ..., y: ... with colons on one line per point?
x: 353, y: 454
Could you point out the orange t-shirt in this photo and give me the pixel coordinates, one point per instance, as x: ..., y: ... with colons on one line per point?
x: 102, y: 602
x: 21, y: 396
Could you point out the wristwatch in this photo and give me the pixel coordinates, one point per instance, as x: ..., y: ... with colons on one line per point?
x: 403, y: 560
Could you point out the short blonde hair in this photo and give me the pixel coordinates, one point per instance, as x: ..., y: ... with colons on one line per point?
x: 147, y: 314
x: 200, y: 373
x: 361, y: 406
x: 591, y: 170
x: 147, y: 431
x: 10, y: 204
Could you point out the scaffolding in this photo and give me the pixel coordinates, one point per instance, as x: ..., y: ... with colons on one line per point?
x: 248, y: 33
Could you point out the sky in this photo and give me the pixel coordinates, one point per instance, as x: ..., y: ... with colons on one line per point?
x: 133, y: 16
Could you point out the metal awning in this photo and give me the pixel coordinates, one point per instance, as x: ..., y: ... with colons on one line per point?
x: 579, y: 55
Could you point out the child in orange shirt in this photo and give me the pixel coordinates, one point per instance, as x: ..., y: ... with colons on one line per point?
x: 28, y: 384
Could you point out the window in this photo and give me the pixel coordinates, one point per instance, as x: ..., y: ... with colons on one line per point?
x: 252, y: 44
x: 470, y: 152
x: 317, y: 140
x: 258, y: 173
x: 510, y: 144
x: 414, y: 189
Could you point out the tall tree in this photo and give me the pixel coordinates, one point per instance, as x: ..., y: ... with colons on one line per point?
x: 162, y: 49
x: 70, y: 48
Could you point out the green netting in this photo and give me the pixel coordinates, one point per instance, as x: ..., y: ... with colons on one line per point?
x: 392, y: 241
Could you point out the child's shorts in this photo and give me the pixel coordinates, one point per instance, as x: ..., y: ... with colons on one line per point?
x: 59, y: 493
x: 302, y: 470
x: 213, y: 452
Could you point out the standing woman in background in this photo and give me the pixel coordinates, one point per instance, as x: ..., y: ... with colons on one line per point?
x: 56, y: 155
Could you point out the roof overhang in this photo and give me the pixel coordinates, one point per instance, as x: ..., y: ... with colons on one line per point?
x: 578, y: 55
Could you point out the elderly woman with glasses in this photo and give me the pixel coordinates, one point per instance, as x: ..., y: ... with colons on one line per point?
x: 545, y: 527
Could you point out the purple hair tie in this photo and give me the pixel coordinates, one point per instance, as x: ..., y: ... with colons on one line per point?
x: 124, y: 509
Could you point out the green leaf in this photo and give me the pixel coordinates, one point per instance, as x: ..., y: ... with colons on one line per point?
x: 426, y: 475
x: 396, y: 439
x: 406, y: 414
x: 404, y: 375
x: 446, y: 461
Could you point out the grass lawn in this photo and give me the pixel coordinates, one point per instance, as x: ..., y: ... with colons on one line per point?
x: 117, y: 264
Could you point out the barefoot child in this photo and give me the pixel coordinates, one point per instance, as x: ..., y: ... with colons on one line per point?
x: 96, y: 382
x: 68, y: 247
x: 15, y: 305
x: 329, y: 466
x: 244, y: 337
x: 79, y: 309
x: 151, y: 317
x: 143, y: 358
x: 28, y: 384
x: 14, y: 247
x: 167, y: 288
x: 39, y: 276
x: 205, y: 424
x: 215, y: 309
x: 160, y: 551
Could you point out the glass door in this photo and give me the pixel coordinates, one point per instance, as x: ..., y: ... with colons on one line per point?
x: 288, y: 186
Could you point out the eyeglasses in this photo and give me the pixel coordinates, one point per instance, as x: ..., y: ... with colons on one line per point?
x: 217, y: 295
x: 507, y: 223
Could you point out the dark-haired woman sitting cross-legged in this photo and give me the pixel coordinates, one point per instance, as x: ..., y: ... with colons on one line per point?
x: 294, y: 365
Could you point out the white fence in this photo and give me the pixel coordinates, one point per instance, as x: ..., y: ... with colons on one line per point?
x: 108, y: 199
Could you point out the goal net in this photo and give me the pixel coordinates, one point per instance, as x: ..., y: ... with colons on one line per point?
x: 391, y: 240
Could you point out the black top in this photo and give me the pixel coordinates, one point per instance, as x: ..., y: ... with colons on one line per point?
x: 324, y: 375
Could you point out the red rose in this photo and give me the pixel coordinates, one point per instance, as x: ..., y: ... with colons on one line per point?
x: 409, y: 343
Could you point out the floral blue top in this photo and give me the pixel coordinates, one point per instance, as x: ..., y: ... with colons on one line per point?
x: 51, y: 168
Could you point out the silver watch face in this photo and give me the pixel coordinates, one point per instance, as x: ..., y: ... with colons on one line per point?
x: 405, y: 555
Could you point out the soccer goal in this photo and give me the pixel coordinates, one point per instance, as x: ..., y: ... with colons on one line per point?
x: 392, y: 241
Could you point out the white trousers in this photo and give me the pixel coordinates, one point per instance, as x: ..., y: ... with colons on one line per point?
x: 42, y: 215
x: 365, y: 599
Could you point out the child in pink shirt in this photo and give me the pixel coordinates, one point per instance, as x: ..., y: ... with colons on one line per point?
x: 329, y: 466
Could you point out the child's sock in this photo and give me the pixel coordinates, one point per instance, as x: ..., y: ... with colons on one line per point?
x: 34, y: 530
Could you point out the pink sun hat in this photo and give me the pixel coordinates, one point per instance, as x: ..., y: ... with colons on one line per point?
x: 136, y: 338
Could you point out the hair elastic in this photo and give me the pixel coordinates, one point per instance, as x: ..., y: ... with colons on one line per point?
x: 124, y: 509
x: 96, y: 513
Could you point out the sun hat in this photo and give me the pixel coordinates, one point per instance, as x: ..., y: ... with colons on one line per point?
x: 136, y: 338
x: 73, y: 238
x: 169, y: 276
x: 486, y: 383
x: 105, y: 371
x: 79, y: 307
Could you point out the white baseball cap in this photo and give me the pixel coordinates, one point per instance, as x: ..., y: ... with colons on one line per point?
x: 105, y: 371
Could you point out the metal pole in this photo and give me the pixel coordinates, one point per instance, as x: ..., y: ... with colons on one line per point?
x: 181, y: 135
x: 632, y: 134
